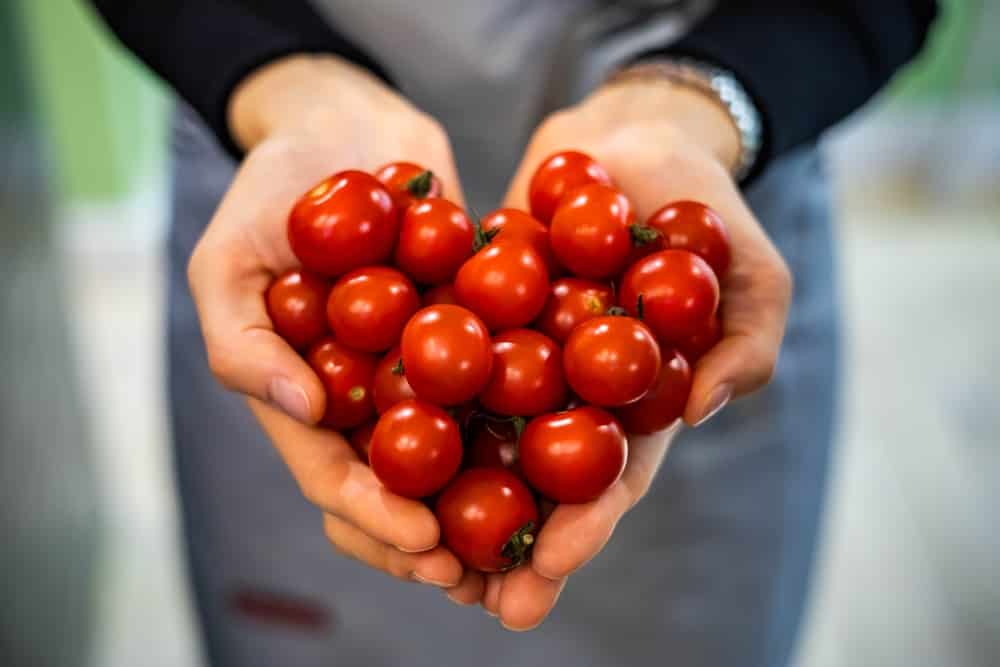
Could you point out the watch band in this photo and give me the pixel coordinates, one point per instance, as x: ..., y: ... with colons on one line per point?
x: 719, y: 84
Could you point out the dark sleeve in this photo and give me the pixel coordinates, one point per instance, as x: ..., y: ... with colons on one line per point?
x: 808, y: 64
x: 204, y: 48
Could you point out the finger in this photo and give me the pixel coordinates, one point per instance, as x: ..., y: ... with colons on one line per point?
x: 526, y: 598
x: 332, y: 478
x: 469, y: 590
x: 574, y: 534
x: 491, y: 595
x: 437, y: 567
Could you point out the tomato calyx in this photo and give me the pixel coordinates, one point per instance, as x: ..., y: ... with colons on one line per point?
x: 518, y: 547
x: 357, y: 393
x: 640, y: 309
x: 483, y: 237
x: 616, y: 311
x: 420, y: 185
x: 643, y: 235
x: 398, y: 369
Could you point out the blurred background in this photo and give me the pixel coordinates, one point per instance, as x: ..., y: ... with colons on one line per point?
x: 90, y: 562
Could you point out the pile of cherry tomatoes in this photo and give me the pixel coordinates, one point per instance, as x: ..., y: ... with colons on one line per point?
x: 482, y: 365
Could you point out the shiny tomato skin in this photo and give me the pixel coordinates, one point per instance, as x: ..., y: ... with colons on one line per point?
x: 506, y: 284
x: 527, y: 377
x: 398, y: 178
x: 296, y: 304
x: 347, y: 377
x: 440, y: 294
x: 693, y: 226
x: 369, y: 307
x: 679, y: 293
x: 695, y: 346
x: 480, y: 512
x: 573, y: 456
x: 664, y: 403
x: 446, y: 354
x: 390, y: 385
x: 361, y: 440
x: 435, y: 238
x: 512, y: 223
x: 591, y: 232
x: 611, y: 361
x: 557, y: 175
x: 416, y: 449
x: 345, y: 222
x: 493, y: 445
x: 573, y: 301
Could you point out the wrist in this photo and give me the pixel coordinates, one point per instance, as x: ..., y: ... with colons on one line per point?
x: 302, y: 93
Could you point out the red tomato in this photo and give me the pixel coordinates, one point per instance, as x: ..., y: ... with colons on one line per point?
x: 494, y: 445
x: 440, y: 294
x: 369, y: 307
x: 611, y: 360
x: 361, y: 440
x: 664, y: 404
x: 506, y: 283
x: 559, y: 174
x: 697, y: 344
x: 416, y: 449
x: 435, y: 237
x: 573, y: 456
x: 692, y: 226
x: 407, y: 182
x: 527, y: 376
x: 572, y: 301
x: 679, y: 293
x: 345, y: 222
x: 296, y: 304
x: 488, y: 519
x: 591, y: 232
x: 510, y: 223
x: 390, y: 385
x: 347, y: 376
x: 446, y: 354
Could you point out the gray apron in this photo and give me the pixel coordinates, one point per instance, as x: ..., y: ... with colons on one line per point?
x: 712, y: 568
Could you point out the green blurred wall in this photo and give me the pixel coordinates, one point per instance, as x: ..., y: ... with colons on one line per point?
x: 105, y: 116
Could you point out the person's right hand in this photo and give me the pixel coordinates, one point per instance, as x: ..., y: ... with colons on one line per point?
x: 301, y: 119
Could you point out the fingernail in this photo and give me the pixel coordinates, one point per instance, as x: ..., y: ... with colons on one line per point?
x: 489, y: 613
x: 720, y: 396
x: 461, y: 603
x: 416, y: 551
x: 426, y: 580
x: 290, y: 397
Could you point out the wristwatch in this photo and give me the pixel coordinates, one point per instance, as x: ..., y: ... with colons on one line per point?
x: 719, y: 84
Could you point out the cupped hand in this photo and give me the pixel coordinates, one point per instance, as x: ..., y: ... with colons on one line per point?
x: 300, y: 120
x: 660, y: 143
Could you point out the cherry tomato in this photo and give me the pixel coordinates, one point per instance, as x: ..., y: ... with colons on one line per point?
x: 488, y: 519
x: 697, y: 344
x: 511, y: 223
x: 559, y: 174
x: 527, y: 376
x: 494, y: 445
x: 678, y: 292
x: 611, y: 360
x: 664, y: 403
x: 345, y: 222
x: 591, y: 232
x: 573, y: 456
x: 435, y: 237
x: 446, y: 354
x: 407, y: 182
x: 440, y: 294
x: 416, y: 449
x: 692, y: 226
x: 347, y: 376
x: 390, y: 385
x: 506, y: 283
x: 296, y: 304
x: 572, y: 301
x: 369, y: 307
x: 361, y: 440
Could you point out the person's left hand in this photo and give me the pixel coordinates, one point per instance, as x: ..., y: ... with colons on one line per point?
x: 660, y: 143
